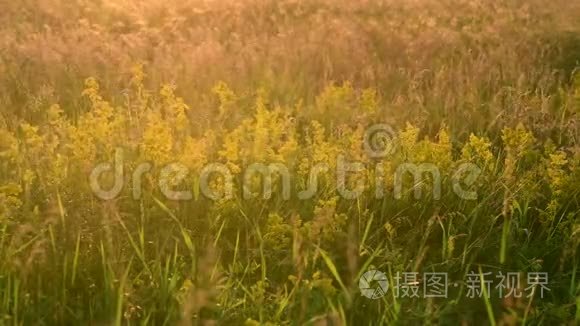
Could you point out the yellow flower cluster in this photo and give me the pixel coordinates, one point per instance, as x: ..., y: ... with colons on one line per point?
x: 478, y: 150
x: 99, y: 130
x: 267, y: 137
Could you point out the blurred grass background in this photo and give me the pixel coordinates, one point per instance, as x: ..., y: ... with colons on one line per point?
x: 491, y: 82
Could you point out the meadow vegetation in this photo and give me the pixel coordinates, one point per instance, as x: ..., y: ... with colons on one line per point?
x: 494, y: 83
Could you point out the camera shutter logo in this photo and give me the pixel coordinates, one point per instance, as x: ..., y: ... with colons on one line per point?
x: 376, y: 289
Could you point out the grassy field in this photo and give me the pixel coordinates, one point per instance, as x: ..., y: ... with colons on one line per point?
x: 155, y: 158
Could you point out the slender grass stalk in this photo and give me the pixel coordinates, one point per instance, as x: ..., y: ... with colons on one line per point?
x: 75, y: 259
x: 504, y: 241
x: 121, y: 295
x: 486, y: 299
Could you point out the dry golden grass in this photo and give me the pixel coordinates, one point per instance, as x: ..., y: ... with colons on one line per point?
x: 493, y: 83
